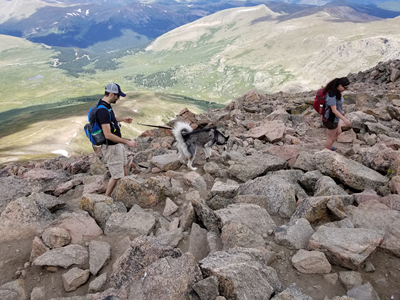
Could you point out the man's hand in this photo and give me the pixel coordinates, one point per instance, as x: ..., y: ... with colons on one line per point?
x: 346, y: 122
x: 131, y: 144
x: 126, y: 120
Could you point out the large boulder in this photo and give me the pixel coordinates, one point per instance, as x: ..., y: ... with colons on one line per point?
x: 81, y: 227
x: 255, y: 218
x: 348, y: 171
x: 167, y: 278
x: 375, y: 215
x: 316, y: 209
x: 134, y: 223
x: 12, y: 188
x: 279, y: 189
x: 23, y: 218
x: 255, y: 165
x: 63, y: 257
x: 142, y: 252
x: 133, y: 189
x: 346, y: 247
x: 242, y: 273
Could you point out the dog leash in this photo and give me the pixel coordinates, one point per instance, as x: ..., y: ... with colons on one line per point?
x: 162, y: 127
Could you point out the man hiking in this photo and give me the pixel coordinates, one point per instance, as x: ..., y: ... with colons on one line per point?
x: 113, y: 149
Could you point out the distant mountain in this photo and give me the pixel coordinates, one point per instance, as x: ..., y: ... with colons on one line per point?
x: 106, y: 26
x: 232, y: 51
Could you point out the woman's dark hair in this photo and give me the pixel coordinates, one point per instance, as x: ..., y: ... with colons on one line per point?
x: 332, y: 86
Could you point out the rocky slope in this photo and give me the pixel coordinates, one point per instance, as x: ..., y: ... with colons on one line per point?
x: 273, y: 217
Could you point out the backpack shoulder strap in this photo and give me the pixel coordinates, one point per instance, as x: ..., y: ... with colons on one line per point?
x: 109, y: 109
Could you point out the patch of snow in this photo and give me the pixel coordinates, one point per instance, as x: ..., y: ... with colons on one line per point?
x: 36, y: 77
x: 248, y: 9
x: 62, y: 152
x: 87, y: 12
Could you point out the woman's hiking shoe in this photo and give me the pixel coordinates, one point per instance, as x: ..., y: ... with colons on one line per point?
x: 333, y: 148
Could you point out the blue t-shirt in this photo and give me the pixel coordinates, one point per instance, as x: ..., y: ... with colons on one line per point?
x: 330, y: 99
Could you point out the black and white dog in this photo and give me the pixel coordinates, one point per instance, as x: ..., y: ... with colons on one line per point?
x: 188, y: 140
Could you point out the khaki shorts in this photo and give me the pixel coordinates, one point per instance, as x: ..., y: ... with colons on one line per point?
x: 115, y: 157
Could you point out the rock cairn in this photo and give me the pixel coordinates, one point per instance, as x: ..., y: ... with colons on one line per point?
x: 275, y: 216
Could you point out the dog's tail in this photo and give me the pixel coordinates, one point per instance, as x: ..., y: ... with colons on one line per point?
x: 180, y: 129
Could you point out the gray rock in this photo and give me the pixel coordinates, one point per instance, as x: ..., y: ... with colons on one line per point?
x: 88, y: 202
x: 292, y: 293
x: 326, y: 186
x: 170, y: 207
x: 195, y: 180
x: 346, y: 247
x: 134, y: 223
x: 23, y: 218
x: 350, y: 279
x: 167, y: 278
x: 255, y: 165
x: 207, y: 289
x: 146, y: 193
x: 14, y: 290
x: 309, y: 180
x: 280, y: 189
x: 315, y: 209
x: 294, y: 235
x: 198, y: 242
x: 142, y: 252
x: 375, y: 215
x: 335, y: 205
x: 214, y: 242
x: 172, y: 237
x: 38, y: 293
x: 332, y: 278
x: 56, y: 237
x: 187, y: 216
x: 63, y: 257
x: 311, y: 262
x: 38, y: 248
x: 252, y: 216
x: 305, y: 161
x: 98, y: 284
x: 166, y: 162
x: 363, y: 292
x: 377, y: 128
x: 102, y: 211
x: 99, y: 254
x: 205, y: 214
x: 226, y: 190
x: 74, y: 278
x: 242, y: 272
x: 214, y: 169
x: 348, y: 171
x: 80, y: 226
x: 12, y: 188
x: 238, y: 235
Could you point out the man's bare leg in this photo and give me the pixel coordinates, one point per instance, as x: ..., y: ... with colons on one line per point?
x: 110, y: 186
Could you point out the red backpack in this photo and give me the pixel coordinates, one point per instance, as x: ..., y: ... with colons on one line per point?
x: 319, y: 102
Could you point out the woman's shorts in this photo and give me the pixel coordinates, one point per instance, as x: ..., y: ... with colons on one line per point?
x: 330, y: 125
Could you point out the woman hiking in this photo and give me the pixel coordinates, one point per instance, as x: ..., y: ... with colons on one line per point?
x: 334, y: 110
